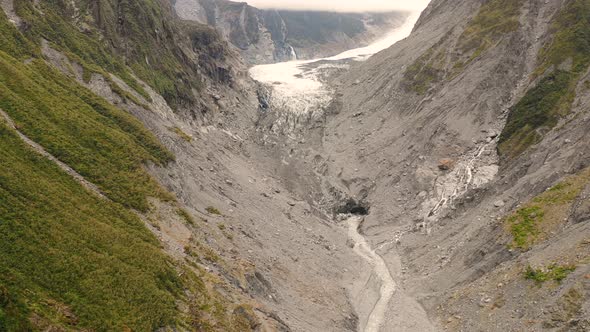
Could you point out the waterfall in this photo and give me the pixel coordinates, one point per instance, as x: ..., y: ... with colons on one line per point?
x: 293, y: 53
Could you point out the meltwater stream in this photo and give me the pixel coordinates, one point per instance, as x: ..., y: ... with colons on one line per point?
x: 387, y: 289
x: 296, y: 87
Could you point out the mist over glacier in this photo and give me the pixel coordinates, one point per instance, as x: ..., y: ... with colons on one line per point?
x: 343, y: 5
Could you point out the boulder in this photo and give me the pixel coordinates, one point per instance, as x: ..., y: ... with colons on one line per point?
x: 446, y: 164
x: 581, y: 208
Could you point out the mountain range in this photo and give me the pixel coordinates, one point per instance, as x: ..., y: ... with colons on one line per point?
x: 148, y: 183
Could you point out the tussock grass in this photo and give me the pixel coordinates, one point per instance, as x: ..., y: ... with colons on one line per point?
x: 533, y: 222
x: 181, y: 134
x: 213, y: 210
x: 71, y: 260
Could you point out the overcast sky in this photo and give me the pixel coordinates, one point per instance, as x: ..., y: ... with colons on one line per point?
x: 342, y: 5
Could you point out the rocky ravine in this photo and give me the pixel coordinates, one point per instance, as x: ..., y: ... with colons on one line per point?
x: 464, y: 227
x: 417, y: 132
x: 296, y: 94
x: 459, y: 260
x: 269, y: 36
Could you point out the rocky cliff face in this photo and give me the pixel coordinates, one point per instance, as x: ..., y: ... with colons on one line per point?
x: 267, y: 36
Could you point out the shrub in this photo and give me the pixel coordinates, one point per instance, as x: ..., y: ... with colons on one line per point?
x: 186, y: 216
x: 523, y: 225
x: 552, y: 97
x: 181, y: 134
x: 213, y: 210
x: 538, y: 108
x: 552, y: 272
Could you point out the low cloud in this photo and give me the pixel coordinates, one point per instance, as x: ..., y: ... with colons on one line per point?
x: 342, y: 5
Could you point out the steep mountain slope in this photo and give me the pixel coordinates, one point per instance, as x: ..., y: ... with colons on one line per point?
x: 468, y: 141
x: 147, y: 184
x: 267, y: 36
x: 76, y: 194
x: 174, y: 221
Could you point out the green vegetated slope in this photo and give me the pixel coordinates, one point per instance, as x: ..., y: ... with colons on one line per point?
x: 101, y: 142
x: 562, y: 61
x: 68, y: 257
x: 536, y: 220
x: 71, y: 260
x: 494, y: 20
x: 538, y: 108
x: 114, y: 35
x: 428, y: 69
x: 49, y: 20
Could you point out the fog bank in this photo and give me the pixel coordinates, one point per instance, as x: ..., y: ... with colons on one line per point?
x: 342, y: 5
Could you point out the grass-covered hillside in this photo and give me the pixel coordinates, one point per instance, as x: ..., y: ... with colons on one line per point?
x: 68, y: 257
x: 101, y: 142
x: 71, y: 259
